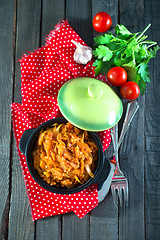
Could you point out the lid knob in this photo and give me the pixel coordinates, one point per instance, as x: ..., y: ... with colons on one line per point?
x: 95, y: 91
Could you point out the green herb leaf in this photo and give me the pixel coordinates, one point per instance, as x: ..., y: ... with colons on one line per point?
x: 119, y: 60
x: 142, y: 85
x: 106, y: 66
x: 103, y: 52
x: 153, y: 51
x: 125, y: 49
x: 103, y: 39
x: 122, y: 30
x: 131, y: 48
x: 144, y: 72
x: 102, y: 67
x: 141, y: 54
x: 131, y: 70
x: 98, y: 64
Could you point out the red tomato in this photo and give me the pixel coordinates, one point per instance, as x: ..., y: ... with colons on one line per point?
x: 102, y: 22
x: 130, y: 90
x: 117, y: 76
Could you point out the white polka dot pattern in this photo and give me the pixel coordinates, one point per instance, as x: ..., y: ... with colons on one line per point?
x: 43, y: 72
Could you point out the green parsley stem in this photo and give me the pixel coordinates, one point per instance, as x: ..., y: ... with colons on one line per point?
x: 154, y: 43
x: 142, y: 38
x: 151, y: 42
x: 144, y: 31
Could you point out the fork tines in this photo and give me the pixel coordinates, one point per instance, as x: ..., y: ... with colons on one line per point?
x: 119, y: 188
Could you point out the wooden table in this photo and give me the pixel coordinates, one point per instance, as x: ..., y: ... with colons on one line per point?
x: 23, y: 26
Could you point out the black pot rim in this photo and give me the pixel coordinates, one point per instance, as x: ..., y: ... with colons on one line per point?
x: 39, y: 180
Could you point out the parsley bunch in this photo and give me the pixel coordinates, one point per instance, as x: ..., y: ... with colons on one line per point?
x: 128, y: 50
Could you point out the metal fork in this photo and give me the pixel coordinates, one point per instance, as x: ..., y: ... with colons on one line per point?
x: 119, y: 182
x: 132, y: 108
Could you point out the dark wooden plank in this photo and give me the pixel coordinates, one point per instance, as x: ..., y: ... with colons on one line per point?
x: 6, y: 93
x: 104, y: 218
x: 27, y: 36
x: 75, y: 228
x: 152, y: 129
x: 48, y: 228
x: 131, y: 218
x: 21, y: 225
x: 52, y: 12
x: 79, y: 15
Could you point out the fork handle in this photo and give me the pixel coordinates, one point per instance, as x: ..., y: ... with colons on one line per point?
x: 132, y: 108
x: 114, y: 135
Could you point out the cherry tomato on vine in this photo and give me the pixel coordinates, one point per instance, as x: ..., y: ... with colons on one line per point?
x: 117, y: 76
x: 102, y: 22
x: 130, y: 90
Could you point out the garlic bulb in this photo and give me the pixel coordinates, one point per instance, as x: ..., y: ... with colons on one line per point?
x: 82, y: 54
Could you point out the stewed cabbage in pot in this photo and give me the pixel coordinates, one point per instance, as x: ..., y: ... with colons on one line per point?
x: 65, y: 156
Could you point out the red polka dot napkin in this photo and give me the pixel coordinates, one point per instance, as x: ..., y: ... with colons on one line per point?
x: 43, y: 72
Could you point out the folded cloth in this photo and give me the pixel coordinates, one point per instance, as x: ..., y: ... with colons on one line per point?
x: 43, y: 72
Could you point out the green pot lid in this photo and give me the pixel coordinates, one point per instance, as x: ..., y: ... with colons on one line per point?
x: 89, y: 104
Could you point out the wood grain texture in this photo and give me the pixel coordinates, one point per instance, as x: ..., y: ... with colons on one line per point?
x: 27, y: 35
x: 21, y: 225
x: 131, y: 14
x: 6, y: 94
x: 79, y: 15
x: 105, y: 214
x: 48, y: 228
x: 52, y: 13
x: 152, y: 129
x: 28, y: 17
x: 131, y: 218
x: 75, y: 228
x: 104, y: 220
